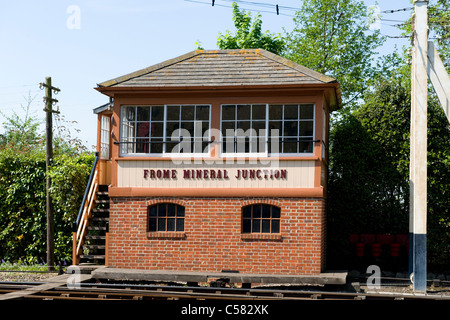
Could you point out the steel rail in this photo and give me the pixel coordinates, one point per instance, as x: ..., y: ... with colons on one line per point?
x: 100, y: 291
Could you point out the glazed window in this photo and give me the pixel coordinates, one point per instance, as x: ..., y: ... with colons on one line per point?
x: 164, y: 129
x: 244, y: 128
x: 264, y: 129
x: 165, y: 217
x: 260, y: 218
x: 291, y: 128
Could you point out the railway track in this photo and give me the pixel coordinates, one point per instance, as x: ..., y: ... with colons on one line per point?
x: 127, y: 291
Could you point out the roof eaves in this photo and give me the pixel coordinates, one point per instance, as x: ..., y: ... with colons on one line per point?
x: 152, y: 68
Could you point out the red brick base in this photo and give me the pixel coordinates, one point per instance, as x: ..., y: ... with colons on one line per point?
x: 212, y: 240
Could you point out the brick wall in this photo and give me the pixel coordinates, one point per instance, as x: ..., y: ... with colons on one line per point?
x: 212, y: 238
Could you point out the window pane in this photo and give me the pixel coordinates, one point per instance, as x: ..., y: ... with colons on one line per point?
x: 306, y: 147
x: 246, y: 225
x: 228, y: 112
x: 161, y: 224
x: 180, y: 211
x: 157, y: 129
x: 275, y: 226
x: 256, y: 225
x: 142, y: 146
x: 143, y: 129
x: 152, y: 224
x: 257, y: 211
x: 259, y: 125
x: 243, y: 111
x: 266, y: 226
x: 157, y: 113
x: 128, y: 129
x: 156, y: 145
x: 290, y: 128
x: 306, y: 128
x: 275, y: 112
x: 275, y: 212
x: 129, y: 113
x: 173, y: 112
x: 247, y: 212
x: 172, y: 147
x: 275, y: 145
x: 290, y: 146
x: 307, y: 111
x: 275, y: 125
x: 189, y: 129
x: 266, y: 211
x: 259, y: 112
x: 187, y: 113
x: 244, y: 125
x: 291, y: 111
x: 171, y: 210
x: 202, y: 113
x: 180, y: 224
x: 170, y: 224
x: 143, y: 113
x: 227, y: 126
x: 205, y: 127
x: 152, y: 211
x: 170, y: 128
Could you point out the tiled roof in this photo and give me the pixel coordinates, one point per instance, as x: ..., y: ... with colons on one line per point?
x: 221, y: 68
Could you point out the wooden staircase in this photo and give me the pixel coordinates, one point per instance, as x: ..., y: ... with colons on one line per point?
x: 90, y: 232
x: 93, y: 247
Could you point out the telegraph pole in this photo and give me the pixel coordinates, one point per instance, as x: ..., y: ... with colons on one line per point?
x: 418, y: 148
x: 49, y: 101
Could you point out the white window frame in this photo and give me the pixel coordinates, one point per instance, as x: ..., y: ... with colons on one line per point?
x: 105, y: 137
x: 267, y: 152
x: 165, y: 138
x: 223, y: 139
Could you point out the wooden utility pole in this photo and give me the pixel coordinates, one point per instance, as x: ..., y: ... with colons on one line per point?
x: 49, y: 101
x: 418, y: 148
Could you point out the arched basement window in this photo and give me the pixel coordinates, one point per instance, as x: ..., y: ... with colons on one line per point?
x: 165, y: 217
x: 260, y: 218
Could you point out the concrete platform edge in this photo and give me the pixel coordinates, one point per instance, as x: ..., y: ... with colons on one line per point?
x: 331, y: 277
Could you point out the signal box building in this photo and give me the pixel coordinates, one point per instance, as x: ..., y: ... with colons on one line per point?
x: 216, y: 161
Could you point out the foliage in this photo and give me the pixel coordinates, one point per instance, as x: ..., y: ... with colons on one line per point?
x: 333, y: 37
x: 23, y: 203
x: 248, y: 35
x: 22, y: 134
x: 438, y: 18
x: 22, y: 188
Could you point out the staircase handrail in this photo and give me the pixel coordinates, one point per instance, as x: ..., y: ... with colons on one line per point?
x: 86, y: 192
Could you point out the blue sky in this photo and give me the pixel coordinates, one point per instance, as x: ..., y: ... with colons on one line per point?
x: 112, y: 38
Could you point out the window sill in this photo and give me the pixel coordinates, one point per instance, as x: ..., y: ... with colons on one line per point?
x: 262, y: 236
x: 166, y: 235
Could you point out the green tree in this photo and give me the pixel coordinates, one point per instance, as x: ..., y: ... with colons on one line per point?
x: 249, y: 35
x: 22, y: 134
x: 333, y: 37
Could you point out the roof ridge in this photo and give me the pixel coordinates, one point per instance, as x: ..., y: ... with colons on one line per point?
x: 264, y: 53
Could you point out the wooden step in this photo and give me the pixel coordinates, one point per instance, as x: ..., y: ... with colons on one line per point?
x: 102, y: 201
x: 102, y: 193
x: 94, y: 246
x: 103, y: 210
x: 93, y: 256
x: 99, y: 219
x: 99, y: 228
x: 89, y: 237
